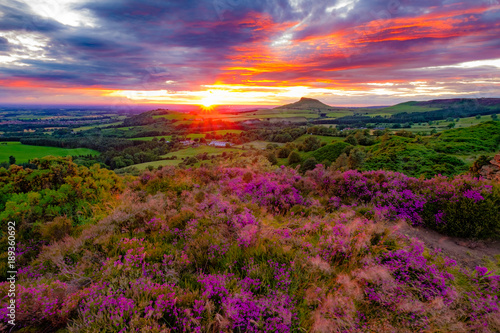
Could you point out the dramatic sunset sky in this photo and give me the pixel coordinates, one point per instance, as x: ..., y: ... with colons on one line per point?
x: 359, y: 52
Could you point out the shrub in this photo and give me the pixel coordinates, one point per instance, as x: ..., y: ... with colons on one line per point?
x: 294, y: 158
x: 55, y: 230
x: 283, y: 152
x: 471, y: 215
x: 272, y: 159
x: 191, y: 160
x: 330, y: 152
x: 308, y: 164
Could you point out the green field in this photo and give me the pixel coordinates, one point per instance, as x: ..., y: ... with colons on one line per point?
x: 322, y: 138
x: 338, y: 114
x: 149, y: 138
x: 169, y: 137
x: 223, y: 132
x: 188, y: 152
x: 442, y: 125
x: 176, y: 115
x: 283, y: 115
x: 257, y: 145
x: 127, y: 128
x: 156, y: 164
x: 24, y: 153
x: 85, y: 128
x: 258, y: 114
x: 183, y: 153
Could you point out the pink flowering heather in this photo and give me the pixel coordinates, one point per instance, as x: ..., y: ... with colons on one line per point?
x: 253, y: 249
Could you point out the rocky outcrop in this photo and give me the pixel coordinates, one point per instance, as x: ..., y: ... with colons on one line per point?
x: 492, y: 170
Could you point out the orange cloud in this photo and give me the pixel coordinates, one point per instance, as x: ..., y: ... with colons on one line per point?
x: 261, y: 60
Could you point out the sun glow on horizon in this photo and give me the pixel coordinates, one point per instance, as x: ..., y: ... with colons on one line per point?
x: 239, y: 94
x: 209, y: 101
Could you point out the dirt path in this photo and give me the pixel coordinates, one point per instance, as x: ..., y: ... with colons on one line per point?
x: 470, y: 253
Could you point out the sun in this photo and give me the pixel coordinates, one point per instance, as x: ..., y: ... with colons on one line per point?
x: 209, y: 100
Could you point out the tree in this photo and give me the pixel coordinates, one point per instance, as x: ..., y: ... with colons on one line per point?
x: 451, y: 125
x: 272, y: 158
x: 341, y: 163
x: 308, y: 164
x: 191, y: 160
x: 294, y: 158
x: 356, y: 158
x: 118, y: 162
x: 12, y: 160
x: 284, y: 152
x: 311, y: 143
x: 351, y: 140
x: 494, y: 116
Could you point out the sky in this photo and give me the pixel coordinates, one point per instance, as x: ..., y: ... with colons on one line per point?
x: 247, y: 52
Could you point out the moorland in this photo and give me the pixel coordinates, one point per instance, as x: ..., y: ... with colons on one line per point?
x: 304, y: 217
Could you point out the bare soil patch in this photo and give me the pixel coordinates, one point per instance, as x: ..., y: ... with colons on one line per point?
x: 466, y: 252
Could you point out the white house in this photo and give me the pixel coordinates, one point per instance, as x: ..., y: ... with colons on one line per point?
x: 219, y: 143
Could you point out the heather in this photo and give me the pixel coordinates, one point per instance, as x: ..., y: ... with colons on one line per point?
x: 248, y: 247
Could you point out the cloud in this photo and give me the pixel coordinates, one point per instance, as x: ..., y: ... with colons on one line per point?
x: 4, y: 44
x: 19, y: 16
x: 132, y: 45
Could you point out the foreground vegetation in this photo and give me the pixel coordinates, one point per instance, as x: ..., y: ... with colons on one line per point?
x: 248, y: 247
x: 289, y: 226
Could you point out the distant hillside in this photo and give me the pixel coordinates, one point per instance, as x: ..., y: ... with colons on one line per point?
x: 438, y: 104
x: 307, y: 104
x: 460, y: 102
x: 418, y: 112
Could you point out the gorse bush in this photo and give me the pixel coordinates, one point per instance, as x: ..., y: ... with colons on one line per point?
x: 482, y: 137
x: 330, y: 152
x: 263, y: 249
x: 411, y: 157
x: 46, y: 203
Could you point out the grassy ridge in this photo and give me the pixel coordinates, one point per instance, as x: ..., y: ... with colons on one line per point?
x: 406, y: 107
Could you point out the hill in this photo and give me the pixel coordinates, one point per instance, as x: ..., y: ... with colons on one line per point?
x: 460, y: 102
x: 439, y: 104
x: 307, y: 104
